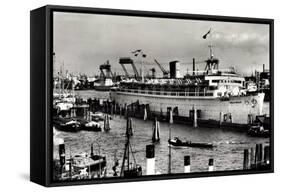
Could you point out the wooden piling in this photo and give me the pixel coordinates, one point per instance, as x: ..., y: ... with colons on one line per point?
x: 120, y: 110
x: 221, y: 118
x: 171, y: 117
x: 70, y: 168
x: 125, y: 111
x: 257, y: 154
x: 195, y: 117
x: 145, y: 114
x: 92, y: 150
x: 266, y: 158
x: 106, y: 125
x: 252, y: 156
x: 246, y: 159
x: 260, y: 153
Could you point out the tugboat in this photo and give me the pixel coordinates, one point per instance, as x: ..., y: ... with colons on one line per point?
x: 129, y: 169
x: 258, y: 131
x: 179, y: 143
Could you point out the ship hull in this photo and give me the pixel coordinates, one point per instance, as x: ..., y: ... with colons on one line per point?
x: 239, y: 108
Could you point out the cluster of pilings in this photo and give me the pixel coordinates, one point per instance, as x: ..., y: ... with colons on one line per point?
x: 257, y: 158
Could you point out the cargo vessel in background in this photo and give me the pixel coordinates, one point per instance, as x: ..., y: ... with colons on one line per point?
x: 211, y: 94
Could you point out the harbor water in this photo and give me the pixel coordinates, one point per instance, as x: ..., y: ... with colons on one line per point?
x: 227, y: 153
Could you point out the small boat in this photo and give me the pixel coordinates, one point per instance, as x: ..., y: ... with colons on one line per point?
x: 89, y: 164
x: 258, y: 131
x: 98, y: 116
x: 178, y: 143
x: 89, y: 125
x: 92, y: 126
x: 66, y: 124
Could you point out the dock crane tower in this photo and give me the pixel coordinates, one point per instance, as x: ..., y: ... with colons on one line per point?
x: 164, y: 71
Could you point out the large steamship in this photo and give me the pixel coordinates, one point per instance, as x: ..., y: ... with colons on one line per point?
x: 214, y: 94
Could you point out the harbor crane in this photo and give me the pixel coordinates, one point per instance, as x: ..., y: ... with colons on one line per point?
x: 128, y: 61
x: 105, y: 70
x: 164, y: 71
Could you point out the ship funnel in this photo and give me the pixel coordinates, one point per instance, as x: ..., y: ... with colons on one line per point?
x: 175, y: 69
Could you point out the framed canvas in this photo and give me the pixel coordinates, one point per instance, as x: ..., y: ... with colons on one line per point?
x: 122, y: 95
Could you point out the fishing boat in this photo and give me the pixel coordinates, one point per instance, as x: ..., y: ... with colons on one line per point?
x: 129, y: 169
x: 179, y: 143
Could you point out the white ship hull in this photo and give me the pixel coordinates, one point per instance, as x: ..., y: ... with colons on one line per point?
x: 211, y: 108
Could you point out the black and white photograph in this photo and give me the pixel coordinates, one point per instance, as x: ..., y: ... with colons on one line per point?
x: 137, y: 96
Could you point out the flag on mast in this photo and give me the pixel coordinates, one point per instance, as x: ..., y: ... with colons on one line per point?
x: 205, y: 36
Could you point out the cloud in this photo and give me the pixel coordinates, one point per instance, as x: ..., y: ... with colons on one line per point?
x: 84, y: 41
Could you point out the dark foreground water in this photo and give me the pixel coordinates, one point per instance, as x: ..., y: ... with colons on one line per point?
x: 227, y: 155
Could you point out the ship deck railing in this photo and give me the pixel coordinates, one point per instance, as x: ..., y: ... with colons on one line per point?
x: 168, y: 93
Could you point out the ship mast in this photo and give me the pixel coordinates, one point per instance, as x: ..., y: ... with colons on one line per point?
x: 128, y: 147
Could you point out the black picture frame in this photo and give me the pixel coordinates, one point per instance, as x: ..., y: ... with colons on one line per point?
x: 41, y: 66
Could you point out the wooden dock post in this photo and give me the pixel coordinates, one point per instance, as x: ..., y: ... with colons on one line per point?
x: 111, y: 109
x: 211, y: 165
x: 221, y: 118
x: 120, y: 110
x: 106, y: 125
x: 187, y: 164
x: 171, y: 117
x: 266, y: 155
x: 195, y: 118
x: 92, y: 150
x: 246, y: 159
x: 258, y: 155
x: 150, y: 160
x: 252, y: 157
x: 145, y: 113
x: 126, y: 111
x: 129, y: 129
x: 71, y: 112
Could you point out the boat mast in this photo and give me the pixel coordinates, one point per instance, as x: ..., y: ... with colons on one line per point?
x: 126, y: 156
x: 170, y: 157
x: 169, y: 165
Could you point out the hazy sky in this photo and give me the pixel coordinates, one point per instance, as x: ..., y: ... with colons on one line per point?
x: 84, y: 41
